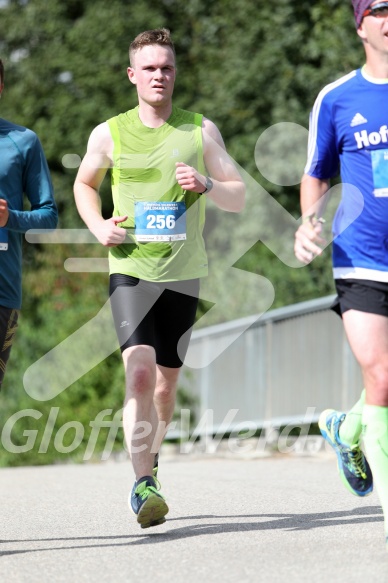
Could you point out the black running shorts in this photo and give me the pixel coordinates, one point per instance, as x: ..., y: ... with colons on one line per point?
x: 363, y: 295
x: 8, y: 325
x: 154, y: 314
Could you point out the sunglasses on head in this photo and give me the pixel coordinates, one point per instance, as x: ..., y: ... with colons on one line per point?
x: 379, y: 10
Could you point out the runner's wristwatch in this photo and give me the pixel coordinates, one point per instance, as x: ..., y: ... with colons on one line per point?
x: 208, y: 185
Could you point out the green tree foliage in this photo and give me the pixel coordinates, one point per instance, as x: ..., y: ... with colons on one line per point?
x: 246, y: 65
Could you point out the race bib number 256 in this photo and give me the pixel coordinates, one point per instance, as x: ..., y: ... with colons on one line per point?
x: 160, y: 221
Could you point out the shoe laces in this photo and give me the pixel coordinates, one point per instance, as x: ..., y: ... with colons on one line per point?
x: 144, y: 489
x: 357, y: 462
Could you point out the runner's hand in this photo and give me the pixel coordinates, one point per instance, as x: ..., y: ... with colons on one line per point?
x: 189, y: 178
x: 307, y: 240
x: 109, y: 233
x: 4, y: 214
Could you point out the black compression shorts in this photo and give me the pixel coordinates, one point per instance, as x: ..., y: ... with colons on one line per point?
x: 8, y: 325
x: 361, y: 294
x: 155, y: 314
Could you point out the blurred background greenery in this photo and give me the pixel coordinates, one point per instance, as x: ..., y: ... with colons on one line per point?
x: 245, y: 64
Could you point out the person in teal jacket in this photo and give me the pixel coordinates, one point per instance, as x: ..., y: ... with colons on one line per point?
x: 23, y: 172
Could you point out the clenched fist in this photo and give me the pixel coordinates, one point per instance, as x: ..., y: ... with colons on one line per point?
x: 189, y: 178
x: 4, y: 214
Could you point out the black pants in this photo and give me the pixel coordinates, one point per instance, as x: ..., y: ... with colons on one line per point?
x: 156, y: 314
x: 8, y: 325
x: 363, y: 295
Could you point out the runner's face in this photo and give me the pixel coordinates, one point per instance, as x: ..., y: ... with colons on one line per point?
x: 374, y: 31
x: 153, y: 73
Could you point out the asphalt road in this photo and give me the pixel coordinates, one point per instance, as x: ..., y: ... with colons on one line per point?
x: 283, y: 518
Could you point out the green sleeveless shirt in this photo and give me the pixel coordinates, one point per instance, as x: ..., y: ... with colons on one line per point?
x: 165, y: 223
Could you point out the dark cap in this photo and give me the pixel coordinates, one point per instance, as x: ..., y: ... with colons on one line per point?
x: 359, y: 7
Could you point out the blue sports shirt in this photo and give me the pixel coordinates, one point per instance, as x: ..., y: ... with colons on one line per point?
x: 23, y: 171
x: 349, y: 133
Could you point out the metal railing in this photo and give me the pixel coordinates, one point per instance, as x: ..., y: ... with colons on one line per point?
x: 284, y: 367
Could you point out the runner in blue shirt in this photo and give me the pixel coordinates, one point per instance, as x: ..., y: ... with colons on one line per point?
x: 349, y: 130
x: 23, y: 171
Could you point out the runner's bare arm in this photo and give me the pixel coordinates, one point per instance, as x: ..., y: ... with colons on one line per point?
x: 91, y: 173
x: 228, y: 191
x: 313, y: 202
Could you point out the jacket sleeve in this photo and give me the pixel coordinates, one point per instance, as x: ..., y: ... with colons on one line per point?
x: 38, y: 188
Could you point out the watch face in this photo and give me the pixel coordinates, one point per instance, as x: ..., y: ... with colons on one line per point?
x: 209, y: 184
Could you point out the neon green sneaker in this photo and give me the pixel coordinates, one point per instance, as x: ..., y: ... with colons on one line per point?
x: 353, y: 466
x: 147, y: 503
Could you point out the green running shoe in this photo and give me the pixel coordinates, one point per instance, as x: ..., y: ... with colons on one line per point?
x: 353, y: 466
x: 147, y: 503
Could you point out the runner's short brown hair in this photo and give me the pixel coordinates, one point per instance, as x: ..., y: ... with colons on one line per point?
x: 158, y: 36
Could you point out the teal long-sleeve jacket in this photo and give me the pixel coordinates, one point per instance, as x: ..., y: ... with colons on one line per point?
x: 24, y: 176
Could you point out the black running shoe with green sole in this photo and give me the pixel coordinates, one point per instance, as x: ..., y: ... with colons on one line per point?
x: 147, y: 503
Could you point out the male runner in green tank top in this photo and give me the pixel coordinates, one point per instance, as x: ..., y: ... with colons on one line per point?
x: 165, y: 163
